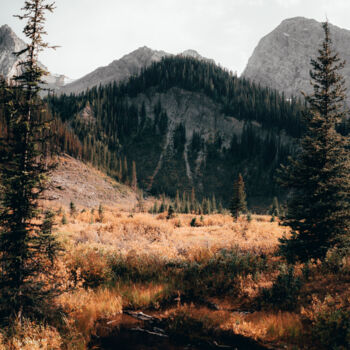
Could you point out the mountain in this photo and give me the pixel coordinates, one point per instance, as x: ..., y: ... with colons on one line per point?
x: 186, y: 123
x: 74, y: 181
x: 282, y: 58
x: 10, y: 43
x: 123, y: 68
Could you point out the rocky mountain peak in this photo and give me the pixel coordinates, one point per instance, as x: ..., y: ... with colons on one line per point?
x: 9, y: 43
x: 121, y: 69
x: 281, y: 59
x: 196, y: 55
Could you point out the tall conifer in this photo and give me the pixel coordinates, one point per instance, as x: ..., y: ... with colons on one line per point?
x: 27, y: 246
x: 238, y: 201
x: 319, y: 209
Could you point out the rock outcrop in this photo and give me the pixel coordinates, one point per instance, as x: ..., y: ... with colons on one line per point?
x: 11, y: 43
x: 282, y: 58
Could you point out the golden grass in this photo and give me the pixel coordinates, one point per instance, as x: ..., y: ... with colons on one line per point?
x: 266, y: 326
x: 30, y: 336
x: 89, y: 241
x: 154, y: 235
x: 86, y: 307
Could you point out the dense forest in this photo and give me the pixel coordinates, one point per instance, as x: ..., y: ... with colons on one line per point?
x: 115, y: 127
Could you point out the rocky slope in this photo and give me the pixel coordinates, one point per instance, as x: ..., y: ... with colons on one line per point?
x: 121, y: 69
x: 282, y: 58
x: 87, y: 187
x: 10, y: 43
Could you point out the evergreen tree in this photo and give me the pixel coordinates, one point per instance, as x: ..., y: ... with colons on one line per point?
x: 170, y: 212
x: 28, y: 249
x: 213, y: 204
x: 177, y: 202
x: 72, y: 208
x: 193, y: 200
x: 100, y: 213
x: 238, y: 202
x: 319, y: 209
x: 275, y: 208
x: 134, y: 177
x: 155, y: 208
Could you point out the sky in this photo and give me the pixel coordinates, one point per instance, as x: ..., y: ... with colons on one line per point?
x: 93, y: 33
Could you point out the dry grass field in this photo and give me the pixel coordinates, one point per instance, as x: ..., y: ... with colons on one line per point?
x: 122, y: 260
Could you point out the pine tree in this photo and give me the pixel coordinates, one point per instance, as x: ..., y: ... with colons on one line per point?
x: 170, y: 212
x: 193, y: 201
x: 72, y: 208
x: 213, y: 204
x: 275, y: 208
x: 238, y: 202
x: 177, y: 202
x: 100, y: 213
x: 319, y: 179
x: 28, y: 249
x: 134, y: 177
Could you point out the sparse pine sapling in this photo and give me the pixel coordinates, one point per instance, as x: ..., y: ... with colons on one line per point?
x: 238, y: 201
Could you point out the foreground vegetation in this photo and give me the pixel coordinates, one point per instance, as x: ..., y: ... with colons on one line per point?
x: 220, y: 276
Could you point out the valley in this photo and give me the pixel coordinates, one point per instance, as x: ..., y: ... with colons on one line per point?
x: 162, y: 201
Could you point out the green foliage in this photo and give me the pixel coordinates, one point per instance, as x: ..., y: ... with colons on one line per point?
x: 331, y: 330
x: 28, y: 248
x: 170, y: 212
x: 64, y: 220
x: 238, y: 201
x: 193, y: 222
x: 284, y: 292
x: 100, y: 213
x: 72, y: 208
x: 319, y: 209
x: 127, y: 124
x: 249, y: 217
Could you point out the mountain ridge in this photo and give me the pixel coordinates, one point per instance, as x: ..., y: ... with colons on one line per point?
x: 281, y: 60
x: 123, y: 68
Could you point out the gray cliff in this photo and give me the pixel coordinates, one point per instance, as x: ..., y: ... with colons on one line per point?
x: 282, y: 58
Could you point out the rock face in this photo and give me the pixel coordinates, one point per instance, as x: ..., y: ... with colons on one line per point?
x: 122, y: 69
x: 117, y: 71
x: 282, y: 58
x: 10, y: 43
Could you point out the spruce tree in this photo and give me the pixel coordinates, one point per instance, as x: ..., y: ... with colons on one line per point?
x: 275, y: 211
x: 319, y: 179
x: 238, y: 201
x: 134, y: 177
x: 177, y: 202
x: 28, y: 248
x: 213, y: 205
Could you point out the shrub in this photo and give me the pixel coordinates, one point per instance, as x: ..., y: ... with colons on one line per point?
x: 284, y: 292
x: 331, y: 330
x: 193, y: 222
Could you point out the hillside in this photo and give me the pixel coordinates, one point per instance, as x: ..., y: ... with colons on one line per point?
x: 186, y: 123
x: 85, y: 186
x: 281, y: 59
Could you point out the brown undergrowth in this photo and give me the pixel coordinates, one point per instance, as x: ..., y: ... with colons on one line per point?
x: 221, y: 274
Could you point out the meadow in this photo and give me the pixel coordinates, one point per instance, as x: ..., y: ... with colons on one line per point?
x: 208, y: 277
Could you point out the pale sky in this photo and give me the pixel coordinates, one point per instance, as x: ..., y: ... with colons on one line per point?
x: 93, y: 33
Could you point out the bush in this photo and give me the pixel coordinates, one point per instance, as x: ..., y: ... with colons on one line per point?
x: 284, y: 292
x: 331, y: 330
x: 193, y: 222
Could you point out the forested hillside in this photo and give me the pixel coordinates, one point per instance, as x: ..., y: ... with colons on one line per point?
x: 229, y: 126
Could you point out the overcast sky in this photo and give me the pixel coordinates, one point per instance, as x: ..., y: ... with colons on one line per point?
x: 93, y: 33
